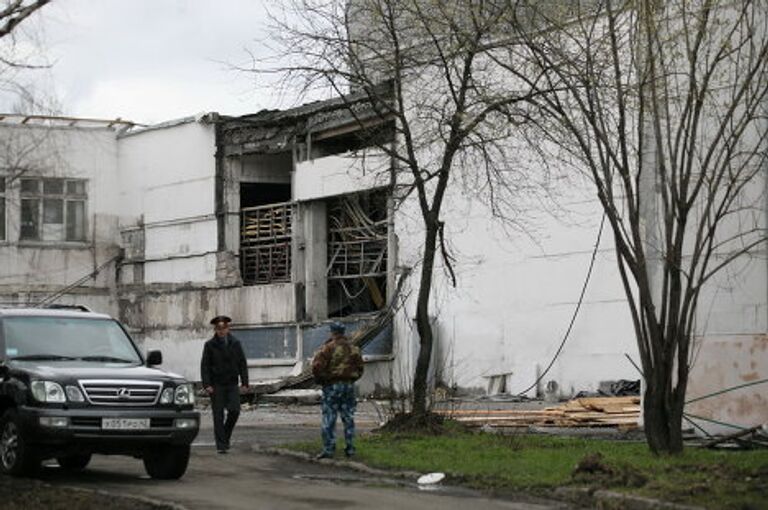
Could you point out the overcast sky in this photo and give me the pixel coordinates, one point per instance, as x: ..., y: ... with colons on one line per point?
x: 153, y: 60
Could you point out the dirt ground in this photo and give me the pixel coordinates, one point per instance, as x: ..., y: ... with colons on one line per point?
x: 27, y: 494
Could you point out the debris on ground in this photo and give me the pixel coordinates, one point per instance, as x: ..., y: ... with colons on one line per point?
x: 30, y: 494
x: 428, y: 423
x: 753, y: 437
x: 594, y: 470
x: 620, y: 388
x: 621, y: 412
x: 306, y: 396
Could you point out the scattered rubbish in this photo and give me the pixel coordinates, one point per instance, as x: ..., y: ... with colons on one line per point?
x: 551, y: 392
x: 488, y: 429
x: 753, y: 437
x: 620, y: 388
x: 504, y: 397
x: 430, y: 478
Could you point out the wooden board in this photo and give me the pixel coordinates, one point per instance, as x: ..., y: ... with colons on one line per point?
x: 622, y: 412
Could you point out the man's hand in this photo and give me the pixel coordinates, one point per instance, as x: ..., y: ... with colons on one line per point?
x: 209, y: 390
x: 244, y: 388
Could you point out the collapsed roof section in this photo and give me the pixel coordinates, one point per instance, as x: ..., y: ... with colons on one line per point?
x: 274, y: 131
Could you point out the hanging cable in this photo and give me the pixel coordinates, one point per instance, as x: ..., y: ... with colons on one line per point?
x: 92, y: 274
x: 575, y: 312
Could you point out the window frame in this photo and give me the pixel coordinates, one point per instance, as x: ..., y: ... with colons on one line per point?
x: 71, y: 191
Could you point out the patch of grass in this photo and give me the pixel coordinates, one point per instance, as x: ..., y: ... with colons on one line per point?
x: 713, y: 479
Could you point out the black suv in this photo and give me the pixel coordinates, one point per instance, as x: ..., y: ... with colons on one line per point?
x: 73, y: 383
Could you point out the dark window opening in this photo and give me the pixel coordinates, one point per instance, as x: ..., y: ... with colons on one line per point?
x: 327, y: 144
x: 254, y: 194
x: 357, y: 254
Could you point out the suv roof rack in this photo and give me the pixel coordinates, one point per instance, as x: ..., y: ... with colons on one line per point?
x: 57, y: 306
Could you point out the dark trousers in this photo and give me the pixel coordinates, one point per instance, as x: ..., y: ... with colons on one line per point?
x: 225, y: 397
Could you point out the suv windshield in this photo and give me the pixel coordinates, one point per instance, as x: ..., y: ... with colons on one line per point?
x: 67, y: 338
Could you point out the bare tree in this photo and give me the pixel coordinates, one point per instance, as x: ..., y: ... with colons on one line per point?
x: 424, y: 67
x: 13, y: 12
x: 18, y: 56
x: 663, y: 104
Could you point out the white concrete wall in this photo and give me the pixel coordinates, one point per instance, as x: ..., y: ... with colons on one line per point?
x: 167, y: 181
x: 176, y: 321
x: 339, y: 174
x: 728, y: 382
x: 35, y: 268
x: 516, y: 293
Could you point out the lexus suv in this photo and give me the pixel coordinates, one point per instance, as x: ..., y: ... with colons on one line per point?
x: 73, y: 384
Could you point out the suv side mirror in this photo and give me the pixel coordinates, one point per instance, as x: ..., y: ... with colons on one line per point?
x: 154, y: 358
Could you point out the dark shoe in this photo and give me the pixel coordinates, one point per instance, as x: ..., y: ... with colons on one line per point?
x: 324, y: 455
x: 222, y: 450
x: 349, y: 455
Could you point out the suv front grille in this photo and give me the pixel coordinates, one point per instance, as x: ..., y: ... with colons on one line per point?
x: 121, y: 393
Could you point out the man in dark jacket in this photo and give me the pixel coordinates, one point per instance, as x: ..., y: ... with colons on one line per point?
x: 222, y: 363
x: 337, y: 365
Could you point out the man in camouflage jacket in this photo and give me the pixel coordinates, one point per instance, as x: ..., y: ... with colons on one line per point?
x: 336, y: 366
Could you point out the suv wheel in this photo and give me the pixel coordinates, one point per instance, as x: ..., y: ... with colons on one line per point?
x: 168, y: 462
x: 16, y: 456
x: 75, y: 462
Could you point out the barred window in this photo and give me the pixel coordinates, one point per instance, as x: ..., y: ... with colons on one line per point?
x: 53, y: 209
x: 265, y: 243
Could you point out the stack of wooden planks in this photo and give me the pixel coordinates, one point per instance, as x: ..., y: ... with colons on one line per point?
x: 621, y: 412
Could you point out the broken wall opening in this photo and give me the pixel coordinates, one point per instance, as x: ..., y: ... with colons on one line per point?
x: 266, y: 217
x: 351, y: 138
x: 357, y: 253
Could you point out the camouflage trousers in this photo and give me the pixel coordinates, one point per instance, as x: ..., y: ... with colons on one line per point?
x: 338, y: 399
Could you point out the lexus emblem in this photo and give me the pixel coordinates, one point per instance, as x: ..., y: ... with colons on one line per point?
x: 123, y: 393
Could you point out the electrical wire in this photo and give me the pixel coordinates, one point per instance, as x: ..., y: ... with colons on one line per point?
x: 726, y: 390
x: 575, y: 312
x: 56, y: 295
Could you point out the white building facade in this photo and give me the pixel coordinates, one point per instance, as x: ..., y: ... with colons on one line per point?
x: 162, y: 212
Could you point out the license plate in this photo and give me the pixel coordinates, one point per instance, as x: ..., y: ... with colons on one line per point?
x: 125, y: 423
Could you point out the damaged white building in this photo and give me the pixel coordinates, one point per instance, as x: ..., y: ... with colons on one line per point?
x: 285, y: 220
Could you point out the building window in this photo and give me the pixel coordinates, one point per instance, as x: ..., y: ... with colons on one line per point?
x: 2, y: 208
x: 265, y: 243
x: 53, y: 209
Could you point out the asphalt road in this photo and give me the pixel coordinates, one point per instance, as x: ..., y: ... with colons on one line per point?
x: 247, y: 479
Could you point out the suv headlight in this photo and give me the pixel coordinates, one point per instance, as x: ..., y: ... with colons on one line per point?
x: 184, y: 394
x: 48, y: 391
x: 167, y: 396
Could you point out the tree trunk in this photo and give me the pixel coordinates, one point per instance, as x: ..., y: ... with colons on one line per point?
x: 423, y: 326
x: 663, y: 410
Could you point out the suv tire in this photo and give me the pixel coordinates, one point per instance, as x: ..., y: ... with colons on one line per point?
x: 17, y: 457
x: 75, y: 462
x: 167, y: 463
